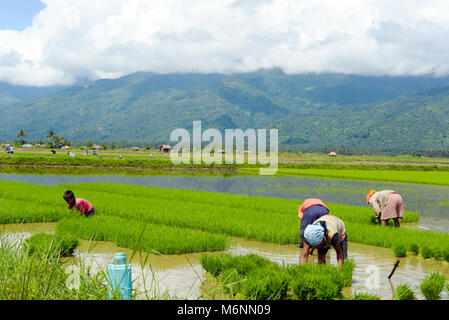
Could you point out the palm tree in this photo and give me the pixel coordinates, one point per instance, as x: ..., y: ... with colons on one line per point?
x: 51, y: 134
x: 21, y: 135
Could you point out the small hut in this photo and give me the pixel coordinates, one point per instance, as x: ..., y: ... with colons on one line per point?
x: 136, y: 149
x: 332, y: 154
x: 96, y: 147
x: 165, y: 148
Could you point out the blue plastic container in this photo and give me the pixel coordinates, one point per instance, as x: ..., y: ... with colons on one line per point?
x: 119, y: 276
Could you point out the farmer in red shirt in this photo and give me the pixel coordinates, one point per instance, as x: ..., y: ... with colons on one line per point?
x: 82, y: 205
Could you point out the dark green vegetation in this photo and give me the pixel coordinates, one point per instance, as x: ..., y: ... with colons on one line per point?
x: 403, y: 292
x: 11, y: 94
x: 400, y: 251
x: 143, y: 164
x: 310, y: 110
x: 365, y: 296
x: 257, y: 278
x: 432, y: 286
x: 142, y: 236
x: 49, y: 245
x: 97, y: 162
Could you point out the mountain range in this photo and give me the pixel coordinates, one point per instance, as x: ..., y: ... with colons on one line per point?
x: 309, y: 110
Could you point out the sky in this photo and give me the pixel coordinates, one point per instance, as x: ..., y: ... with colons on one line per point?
x: 18, y: 14
x: 57, y: 42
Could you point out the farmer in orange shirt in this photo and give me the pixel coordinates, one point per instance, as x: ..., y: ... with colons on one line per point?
x: 310, y: 210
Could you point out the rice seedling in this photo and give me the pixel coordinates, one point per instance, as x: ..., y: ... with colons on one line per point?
x: 365, y: 296
x: 314, y: 287
x: 49, y: 245
x: 403, y: 292
x: 17, y: 211
x: 257, y: 278
x: 266, y: 284
x: 238, y: 202
x: 414, y: 247
x: 445, y: 253
x: 389, y: 237
x: 142, y: 236
x: 426, y: 252
x: 400, y: 251
x: 432, y: 286
x: 428, y: 175
x: 266, y: 219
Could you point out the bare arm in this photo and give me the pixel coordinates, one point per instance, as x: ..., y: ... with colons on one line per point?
x: 305, y: 253
x: 376, y: 208
x: 339, y: 251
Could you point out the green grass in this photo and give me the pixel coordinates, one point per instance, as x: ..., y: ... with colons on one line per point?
x: 142, y: 236
x: 403, y: 292
x: 320, y: 157
x: 63, y: 160
x: 404, y: 176
x: 314, y: 167
x: 432, y: 286
x: 49, y: 245
x: 25, y: 277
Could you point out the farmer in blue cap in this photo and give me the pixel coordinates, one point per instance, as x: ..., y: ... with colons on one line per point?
x: 325, y: 232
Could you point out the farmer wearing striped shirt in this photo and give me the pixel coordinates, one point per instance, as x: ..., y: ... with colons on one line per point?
x: 325, y: 232
x: 310, y: 210
x: 387, y: 204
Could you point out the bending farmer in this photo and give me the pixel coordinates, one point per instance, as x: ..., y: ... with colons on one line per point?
x: 82, y: 205
x: 387, y: 205
x: 325, y: 232
x: 309, y: 211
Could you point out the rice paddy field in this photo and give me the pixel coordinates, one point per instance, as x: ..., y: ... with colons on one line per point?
x: 404, y: 176
x: 207, y: 237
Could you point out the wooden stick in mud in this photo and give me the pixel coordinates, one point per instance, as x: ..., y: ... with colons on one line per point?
x: 394, y: 269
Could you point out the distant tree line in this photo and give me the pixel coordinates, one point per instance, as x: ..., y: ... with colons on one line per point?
x: 54, y: 141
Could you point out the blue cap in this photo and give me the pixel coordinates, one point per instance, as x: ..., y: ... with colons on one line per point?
x: 119, y: 258
x: 314, y: 234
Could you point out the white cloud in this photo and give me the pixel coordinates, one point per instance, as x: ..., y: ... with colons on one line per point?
x: 109, y: 38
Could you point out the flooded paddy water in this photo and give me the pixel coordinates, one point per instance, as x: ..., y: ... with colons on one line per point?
x: 181, y: 276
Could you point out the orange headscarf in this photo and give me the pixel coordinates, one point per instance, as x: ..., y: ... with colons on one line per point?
x: 369, y: 195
